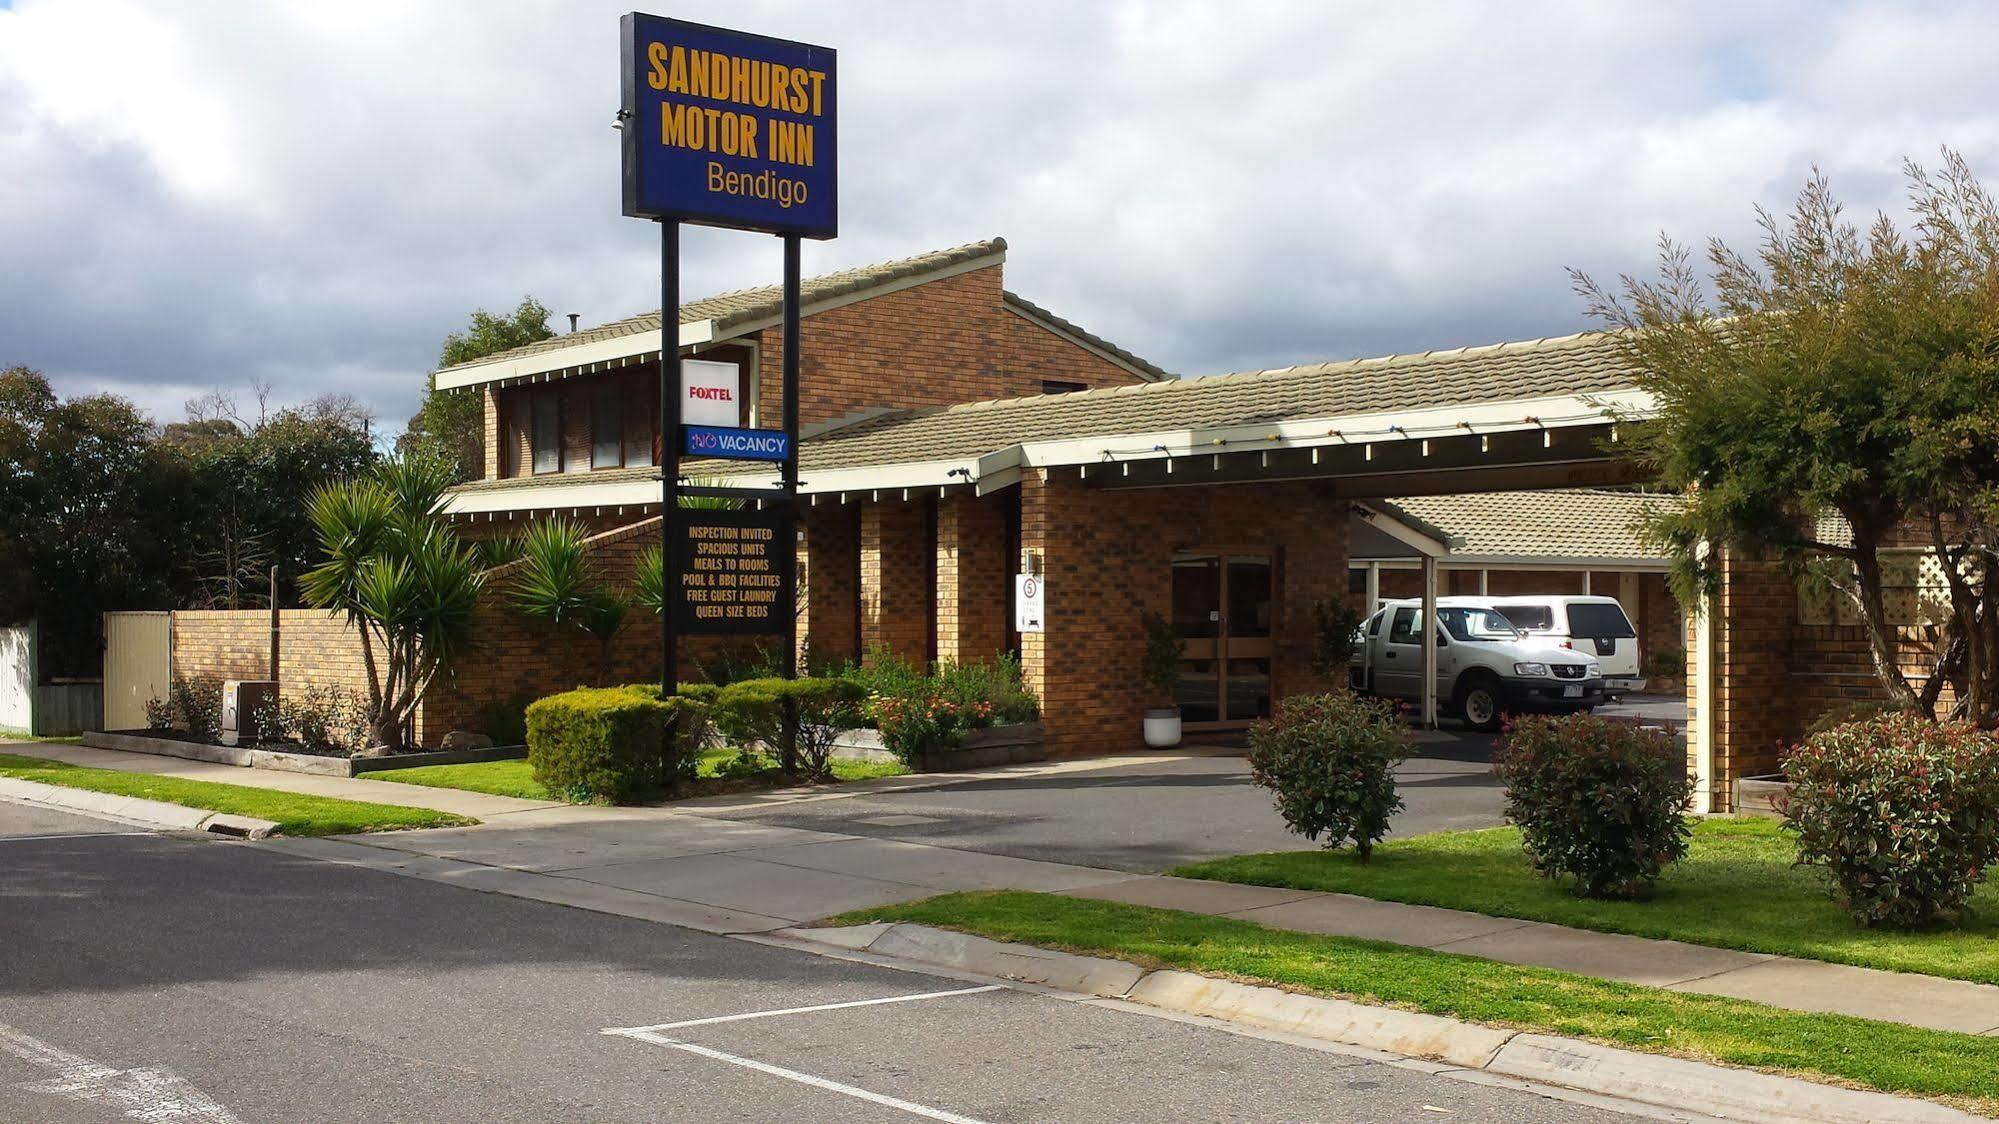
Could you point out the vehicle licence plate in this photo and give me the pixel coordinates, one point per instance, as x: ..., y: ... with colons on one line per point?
x: 1572, y: 691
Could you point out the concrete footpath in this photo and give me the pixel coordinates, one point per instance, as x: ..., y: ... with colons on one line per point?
x: 684, y: 865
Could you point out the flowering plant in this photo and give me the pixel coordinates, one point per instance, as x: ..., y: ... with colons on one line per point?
x: 914, y: 726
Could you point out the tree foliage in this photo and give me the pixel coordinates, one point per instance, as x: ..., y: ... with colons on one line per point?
x: 392, y: 564
x: 450, y: 424
x: 1836, y: 373
x: 89, y: 514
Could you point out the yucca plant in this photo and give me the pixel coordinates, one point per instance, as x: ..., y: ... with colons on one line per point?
x: 554, y: 584
x: 401, y: 576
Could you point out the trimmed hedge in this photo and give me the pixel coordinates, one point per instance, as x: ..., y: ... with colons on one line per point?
x: 1602, y: 802
x: 1901, y: 812
x: 608, y: 743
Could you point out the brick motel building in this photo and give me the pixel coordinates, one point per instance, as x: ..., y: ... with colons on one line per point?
x: 955, y: 435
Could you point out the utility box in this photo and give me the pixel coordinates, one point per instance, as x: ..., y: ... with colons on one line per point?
x: 241, y: 700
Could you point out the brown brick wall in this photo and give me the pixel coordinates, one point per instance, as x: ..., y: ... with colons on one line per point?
x: 973, y: 573
x: 934, y: 344
x: 1107, y: 554
x: 511, y: 652
x: 1753, y: 708
x: 1034, y: 355
x: 896, y: 550
x: 830, y: 568
x: 941, y: 342
x: 490, y: 435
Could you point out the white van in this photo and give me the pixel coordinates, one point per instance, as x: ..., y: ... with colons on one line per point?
x: 1594, y: 626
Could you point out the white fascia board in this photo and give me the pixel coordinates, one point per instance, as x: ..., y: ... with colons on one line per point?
x: 557, y: 493
x: 1550, y: 562
x: 1352, y: 429
x: 613, y: 350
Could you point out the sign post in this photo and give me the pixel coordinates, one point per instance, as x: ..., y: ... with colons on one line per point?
x: 723, y: 128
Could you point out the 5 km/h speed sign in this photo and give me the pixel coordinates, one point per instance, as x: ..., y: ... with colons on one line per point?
x: 1030, y: 599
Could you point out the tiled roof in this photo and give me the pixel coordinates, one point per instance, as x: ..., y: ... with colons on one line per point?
x: 1558, y: 523
x: 1101, y: 344
x: 1569, y: 365
x: 746, y: 305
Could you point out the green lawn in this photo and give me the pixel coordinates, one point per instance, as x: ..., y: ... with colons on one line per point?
x: 1737, y: 888
x: 294, y: 813
x: 1886, y: 1056
x: 515, y: 778
x: 497, y: 778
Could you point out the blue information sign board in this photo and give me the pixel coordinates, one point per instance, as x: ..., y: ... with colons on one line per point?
x: 728, y: 129
x: 737, y: 444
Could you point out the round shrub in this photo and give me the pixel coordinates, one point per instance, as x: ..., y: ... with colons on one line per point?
x: 753, y: 712
x: 1330, y: 759
x: 1601, y: 802
x: 608, y: 743
x: 1902, y: 812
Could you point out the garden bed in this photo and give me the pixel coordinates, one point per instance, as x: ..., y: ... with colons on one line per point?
x: 1012, y: 744
x: 164, y: 743
x: 1759, y: 796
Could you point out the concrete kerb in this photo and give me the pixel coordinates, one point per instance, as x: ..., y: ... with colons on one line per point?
x: 1696, y: 1087
x: 132, y: 809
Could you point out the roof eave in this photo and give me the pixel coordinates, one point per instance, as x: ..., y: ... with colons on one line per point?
x: 561, y: 361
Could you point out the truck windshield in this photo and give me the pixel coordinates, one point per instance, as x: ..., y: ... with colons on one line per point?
x: 1474, y: 624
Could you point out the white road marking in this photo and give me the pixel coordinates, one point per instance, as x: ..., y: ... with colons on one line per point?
x: 150, y: 1094
x: 830, y: 1086
x: 634, y: 1030
x: 70, y: 835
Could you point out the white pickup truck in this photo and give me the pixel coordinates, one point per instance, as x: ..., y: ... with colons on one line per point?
x: 1485, y: 666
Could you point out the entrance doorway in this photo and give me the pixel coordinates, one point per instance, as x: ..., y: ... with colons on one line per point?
x: 1222, y: 613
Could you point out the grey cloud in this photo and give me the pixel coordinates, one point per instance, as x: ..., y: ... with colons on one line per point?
x: 1217, y: 186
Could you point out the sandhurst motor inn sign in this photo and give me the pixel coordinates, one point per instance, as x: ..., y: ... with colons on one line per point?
x: 729, y: 129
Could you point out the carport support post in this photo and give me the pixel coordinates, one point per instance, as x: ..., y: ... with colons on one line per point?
x: 1429, y: 642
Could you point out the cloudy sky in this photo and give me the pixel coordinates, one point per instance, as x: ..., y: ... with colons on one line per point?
x: 198, y: 194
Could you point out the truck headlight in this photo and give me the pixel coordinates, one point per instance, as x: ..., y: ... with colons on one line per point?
x: 1531, y: 670
x: 1595, y: 669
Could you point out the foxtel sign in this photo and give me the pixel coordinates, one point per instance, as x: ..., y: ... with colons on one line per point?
x: 737, y: 444
x: 710, y: 393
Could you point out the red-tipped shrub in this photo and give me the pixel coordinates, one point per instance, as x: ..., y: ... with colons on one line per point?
x: 1902, y: 812
x: 1601, y: 802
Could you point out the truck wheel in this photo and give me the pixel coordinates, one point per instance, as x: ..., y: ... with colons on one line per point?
x: 1480, y: 702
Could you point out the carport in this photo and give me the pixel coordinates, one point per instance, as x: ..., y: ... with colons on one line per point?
x: 1503, y: 544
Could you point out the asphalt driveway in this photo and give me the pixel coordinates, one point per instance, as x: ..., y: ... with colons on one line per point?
x: 1157, y: 815
x: 1142, y: 817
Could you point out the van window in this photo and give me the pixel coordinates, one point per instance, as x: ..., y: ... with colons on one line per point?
x: 1403, y: 631
x: 1599, y: 621
x: 1530, y: 618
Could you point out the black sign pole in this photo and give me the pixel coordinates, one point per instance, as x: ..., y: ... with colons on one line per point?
x: 788, y: 551
x: 669, y: 462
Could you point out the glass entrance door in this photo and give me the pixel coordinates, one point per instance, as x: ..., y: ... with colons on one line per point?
x: 1222, y: 611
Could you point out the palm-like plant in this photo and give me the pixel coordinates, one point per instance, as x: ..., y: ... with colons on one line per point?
x: 554, y: 584
x: 401, y: 576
